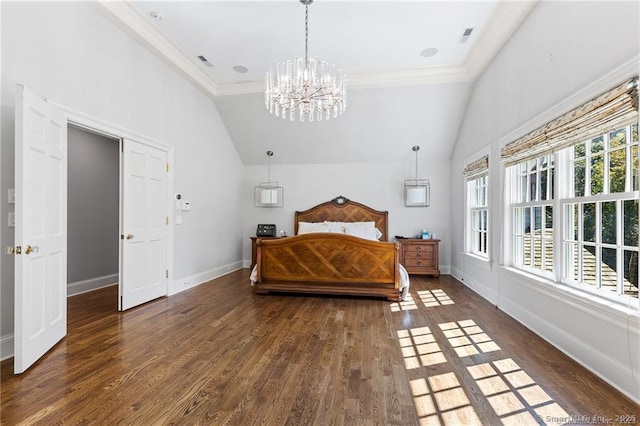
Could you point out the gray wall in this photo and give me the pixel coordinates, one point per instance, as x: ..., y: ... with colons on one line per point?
x: 92, y: 207
x: 561, y: 48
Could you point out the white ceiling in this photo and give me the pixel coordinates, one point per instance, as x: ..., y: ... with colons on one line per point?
x: 393, y: 90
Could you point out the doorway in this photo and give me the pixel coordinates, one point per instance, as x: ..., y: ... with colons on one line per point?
x: 93, y: 206
x: 41, y: 207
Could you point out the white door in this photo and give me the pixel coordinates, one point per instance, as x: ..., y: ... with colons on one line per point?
x: 143, y: 264
x: 40, y: 229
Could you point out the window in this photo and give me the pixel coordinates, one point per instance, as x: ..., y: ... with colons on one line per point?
x: 572, y: 189
x: 598, y: 210
x: 477, y: 234
x: 478, y: 189
x: 532, y: 212
x: 600, y: 240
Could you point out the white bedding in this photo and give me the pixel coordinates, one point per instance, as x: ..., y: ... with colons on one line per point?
x: 404, y: 280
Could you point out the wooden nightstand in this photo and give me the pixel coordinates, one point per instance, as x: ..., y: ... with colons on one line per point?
x: 420, y: 257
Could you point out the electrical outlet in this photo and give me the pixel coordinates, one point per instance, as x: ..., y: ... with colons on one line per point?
x: 187, y: 283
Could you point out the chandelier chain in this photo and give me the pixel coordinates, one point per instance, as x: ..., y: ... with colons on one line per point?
x: 306, y: 85
x: 306, y: 35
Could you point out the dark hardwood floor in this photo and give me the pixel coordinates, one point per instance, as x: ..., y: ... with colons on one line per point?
x: 220, y: 354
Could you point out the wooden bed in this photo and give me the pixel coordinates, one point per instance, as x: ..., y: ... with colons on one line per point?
x: 332, y: 263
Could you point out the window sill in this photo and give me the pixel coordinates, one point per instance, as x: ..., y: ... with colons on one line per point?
x: 575, y: 296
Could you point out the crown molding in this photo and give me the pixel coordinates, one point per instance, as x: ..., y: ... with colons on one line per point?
x: 127, y: 18
x: 411, y: 77
x: 504, y: 21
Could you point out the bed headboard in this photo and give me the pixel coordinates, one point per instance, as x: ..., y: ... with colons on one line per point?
x: 341, y: 209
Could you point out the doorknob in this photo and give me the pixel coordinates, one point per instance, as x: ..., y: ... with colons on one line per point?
x: 28, y: 249
x: 129, y: 236
x: 13, y: 250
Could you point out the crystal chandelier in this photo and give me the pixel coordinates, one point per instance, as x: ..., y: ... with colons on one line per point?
x: 316, y: 88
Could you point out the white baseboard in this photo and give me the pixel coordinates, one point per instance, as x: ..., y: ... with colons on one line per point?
x: 457, y: 274
x: 6, y: 347
x: 186, y: 283
x: 608, y: 369
x: 84, y: 286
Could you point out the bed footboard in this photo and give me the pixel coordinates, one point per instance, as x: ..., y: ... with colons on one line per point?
x: 328, y: 264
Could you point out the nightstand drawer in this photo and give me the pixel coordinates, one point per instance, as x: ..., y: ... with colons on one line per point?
x: 418, y: 255
x: 427, y: 263
x: 417, y: 248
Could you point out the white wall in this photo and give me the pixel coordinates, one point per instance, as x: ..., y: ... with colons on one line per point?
x: 378, y: 185
x: 71, y: 54
x: 561, y: 48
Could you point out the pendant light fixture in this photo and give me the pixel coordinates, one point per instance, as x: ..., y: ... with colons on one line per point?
x: 416, y: 191
x: 268, y: 194
x: 307, y: 88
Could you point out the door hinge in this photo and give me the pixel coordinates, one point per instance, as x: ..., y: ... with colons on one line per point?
x: 167, y: 273
x: 167, y: 166
x: 167, y: 220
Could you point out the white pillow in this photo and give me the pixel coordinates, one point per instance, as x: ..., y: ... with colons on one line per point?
x: 335, y: 227
x: 366, y: 230
x: 309, y: 227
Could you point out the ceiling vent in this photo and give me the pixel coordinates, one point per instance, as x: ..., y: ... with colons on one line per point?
x: 466, y: 34
x: 205, y: 61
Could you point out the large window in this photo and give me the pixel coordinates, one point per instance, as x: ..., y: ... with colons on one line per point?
x: 581, y: 229
x: 572, y: 188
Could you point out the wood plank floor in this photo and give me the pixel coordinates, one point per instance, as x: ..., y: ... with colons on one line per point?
x: 220, y: 354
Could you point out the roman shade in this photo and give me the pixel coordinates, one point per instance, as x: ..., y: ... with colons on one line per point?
x: 614, y: 109
x: 476, y: 168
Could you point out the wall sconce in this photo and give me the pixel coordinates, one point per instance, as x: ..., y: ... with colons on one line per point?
x: 268, y: 194
x: 416, y: 191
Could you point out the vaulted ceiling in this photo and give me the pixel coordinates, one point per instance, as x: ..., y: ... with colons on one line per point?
x: 409, y: 68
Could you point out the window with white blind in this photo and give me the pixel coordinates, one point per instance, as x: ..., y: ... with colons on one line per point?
x: 572, y: 190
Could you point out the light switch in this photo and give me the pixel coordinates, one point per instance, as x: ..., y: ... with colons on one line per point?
x: 186, y: 206
x: 12, y: 219
x: 178, y: 220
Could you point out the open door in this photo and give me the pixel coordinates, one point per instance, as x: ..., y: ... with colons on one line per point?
x: 143, y: 261
x: 40, y: 228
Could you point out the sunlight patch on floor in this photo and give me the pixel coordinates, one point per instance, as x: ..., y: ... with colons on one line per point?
x: 502, y: 385
x: 513, y: 394
x: 440, y: 400
x: 467, y: 338
x: 419, y: 348
x: 432, y: 298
